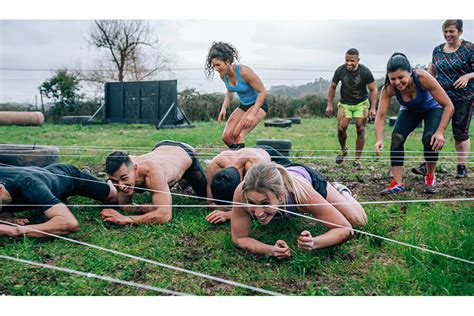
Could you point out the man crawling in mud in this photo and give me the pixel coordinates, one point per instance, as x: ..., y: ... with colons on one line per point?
x: 157, y: 172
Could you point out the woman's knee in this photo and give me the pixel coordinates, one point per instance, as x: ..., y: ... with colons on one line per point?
x: 397, y: 141
x: 228, y: 137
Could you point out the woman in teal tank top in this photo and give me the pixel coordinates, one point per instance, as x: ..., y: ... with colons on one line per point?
x: 248, y: 86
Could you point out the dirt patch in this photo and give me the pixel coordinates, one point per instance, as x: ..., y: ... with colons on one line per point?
x: 192, y: 250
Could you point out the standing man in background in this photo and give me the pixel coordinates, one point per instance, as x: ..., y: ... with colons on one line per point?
x: 354, y: 103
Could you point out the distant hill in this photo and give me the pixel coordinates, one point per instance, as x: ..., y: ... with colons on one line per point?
x: 317, y: 86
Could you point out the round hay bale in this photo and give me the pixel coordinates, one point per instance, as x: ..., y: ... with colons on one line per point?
x: 21, y: 118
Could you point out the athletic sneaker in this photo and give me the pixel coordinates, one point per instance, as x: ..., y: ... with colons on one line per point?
x: 430, y: 184
x: 341, y: 155
x: 394, y: 188
x: 357, y: 164
x: 421, y: 169
x: 461, y: 172
x: 341, y: 187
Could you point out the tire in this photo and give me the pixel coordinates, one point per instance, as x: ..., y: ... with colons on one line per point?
x: 76, y: 119
x: 282, y: 145
x: 392, y: 120
x: 277, y: 123
x: 294, y: 120
x: 28, y: 155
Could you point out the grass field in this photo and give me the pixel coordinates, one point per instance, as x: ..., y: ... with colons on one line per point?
x: 361, y: 266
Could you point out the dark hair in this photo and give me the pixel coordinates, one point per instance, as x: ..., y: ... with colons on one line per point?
x: 398, y: 61
x: 223, y: 185
x: 115, y: 160
x: 457, y: 23
x: 223, y: 51
x: 352, y: 51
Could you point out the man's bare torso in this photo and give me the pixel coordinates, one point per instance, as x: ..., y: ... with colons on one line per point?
x: 166, y: 161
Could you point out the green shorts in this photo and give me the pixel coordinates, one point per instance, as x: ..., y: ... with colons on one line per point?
x: 360, y: 110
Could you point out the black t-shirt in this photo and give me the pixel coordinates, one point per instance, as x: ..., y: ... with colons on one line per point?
x: 44, y: 187
x: 354, y: 83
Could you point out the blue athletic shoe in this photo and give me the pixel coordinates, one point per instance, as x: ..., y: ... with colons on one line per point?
x: 394, y: 188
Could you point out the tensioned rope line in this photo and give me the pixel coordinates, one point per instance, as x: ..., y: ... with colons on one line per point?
x: 296, y: 214
x: 205, y: 155
x: 94, y: 276
x: 247, y: 205
x: 160, y: 264
x: 107, y: 148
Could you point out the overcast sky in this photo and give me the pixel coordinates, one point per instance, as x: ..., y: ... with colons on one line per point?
x: 316, y: 47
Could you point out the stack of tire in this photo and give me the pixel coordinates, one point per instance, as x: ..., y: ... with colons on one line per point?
x: 76, y: 119
x: 282, y: 145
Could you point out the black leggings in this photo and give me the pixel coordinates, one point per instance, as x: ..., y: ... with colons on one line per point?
x: 407, y: 121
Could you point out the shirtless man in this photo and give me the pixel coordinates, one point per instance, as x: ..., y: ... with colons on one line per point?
x: 227, y: 170
x: 156, y: 171
x: 46, y: 189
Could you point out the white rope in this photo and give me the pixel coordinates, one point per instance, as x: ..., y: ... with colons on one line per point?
x: 247, y: 205
x: 419, y: 158
x: 94, y: 276
x: 147, y: 148
x: 164, y: 265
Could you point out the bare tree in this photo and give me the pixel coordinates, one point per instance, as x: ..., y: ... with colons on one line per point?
x: 132, y: 50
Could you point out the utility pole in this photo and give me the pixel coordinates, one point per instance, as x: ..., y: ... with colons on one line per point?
x: 41, y: 97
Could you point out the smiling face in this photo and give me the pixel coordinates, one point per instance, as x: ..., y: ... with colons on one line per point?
x: 352, y: 62
x: 263, y: 211
x: 451, y: 34
x: 124, y: 178
x: 220, y: 66
x: 400, y: 79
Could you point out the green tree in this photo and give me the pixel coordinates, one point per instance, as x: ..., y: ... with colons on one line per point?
x: 63, y: 89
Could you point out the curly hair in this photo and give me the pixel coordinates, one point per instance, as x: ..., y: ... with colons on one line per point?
x: 223, y: 51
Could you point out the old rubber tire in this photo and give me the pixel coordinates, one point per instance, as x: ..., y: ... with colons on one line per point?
x: 28, y: 155
x: 282, y: 145
x: 277, y: 123
x: 294, y: 120
x: 76, y: 119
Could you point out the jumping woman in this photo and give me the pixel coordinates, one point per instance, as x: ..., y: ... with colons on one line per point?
x: 249, y: 87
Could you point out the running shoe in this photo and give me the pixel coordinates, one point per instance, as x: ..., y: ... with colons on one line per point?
x: 421, y: 169
x: 430, y: 184
x: 341, y: 155
x: 461, y: 172
x: 394, y: 188
x: 357, y: 164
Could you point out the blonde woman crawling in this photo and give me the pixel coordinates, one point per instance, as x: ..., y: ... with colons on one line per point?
x: 268, y: 186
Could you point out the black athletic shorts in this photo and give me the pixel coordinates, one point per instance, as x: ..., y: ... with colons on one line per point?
x: 246, y: 107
